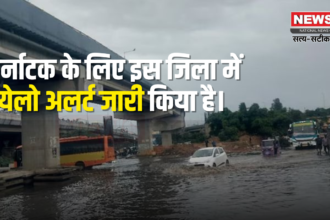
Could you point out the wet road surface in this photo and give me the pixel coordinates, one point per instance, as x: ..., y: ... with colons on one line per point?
x: 295, y: 185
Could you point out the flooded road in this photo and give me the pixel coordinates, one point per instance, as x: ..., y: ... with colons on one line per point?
x: 295, y: 185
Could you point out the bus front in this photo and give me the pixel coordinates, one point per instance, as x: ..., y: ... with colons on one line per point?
x: 304, y: 134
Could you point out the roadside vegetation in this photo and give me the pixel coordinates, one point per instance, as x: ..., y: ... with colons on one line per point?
x: 5, y: 161
x: 254, y: 121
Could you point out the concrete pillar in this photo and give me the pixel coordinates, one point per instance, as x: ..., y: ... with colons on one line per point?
x: 166, y: 138
x: 40, y: 139
x: 144, y: 136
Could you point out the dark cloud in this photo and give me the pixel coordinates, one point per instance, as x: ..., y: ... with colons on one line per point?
x: 275, y: 66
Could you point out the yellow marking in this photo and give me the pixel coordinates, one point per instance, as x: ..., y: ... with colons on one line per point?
x: 73, y: 158
x: 302, y: 124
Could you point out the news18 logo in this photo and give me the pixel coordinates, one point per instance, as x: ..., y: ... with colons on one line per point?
x: 310, y: 23
x: 310, y: 19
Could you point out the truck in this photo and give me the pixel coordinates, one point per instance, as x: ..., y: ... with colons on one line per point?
x: 303, y: 134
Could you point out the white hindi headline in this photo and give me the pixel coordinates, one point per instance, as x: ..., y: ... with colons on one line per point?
x: 100, y: 66
x: 186, y: 100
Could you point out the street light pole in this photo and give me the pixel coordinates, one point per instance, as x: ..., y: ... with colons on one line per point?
x: 128, y: 52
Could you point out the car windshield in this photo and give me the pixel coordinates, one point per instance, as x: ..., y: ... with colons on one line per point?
x: 203, y: 153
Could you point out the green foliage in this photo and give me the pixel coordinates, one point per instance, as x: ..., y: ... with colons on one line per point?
x: 259, y: 121
x: 229, y: 134
x: 262, y: 126
x: 242, y: 108
x: 5, y: 161
x: 276, y: 105
x: 281, y: 124
x: 295, y: 115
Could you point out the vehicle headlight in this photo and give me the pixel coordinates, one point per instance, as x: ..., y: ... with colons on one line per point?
x: 208, y: 161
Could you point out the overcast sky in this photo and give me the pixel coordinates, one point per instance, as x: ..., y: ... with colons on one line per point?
x: 274, y: 65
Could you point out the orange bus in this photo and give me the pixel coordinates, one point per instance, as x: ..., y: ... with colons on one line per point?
x: 85, y: 151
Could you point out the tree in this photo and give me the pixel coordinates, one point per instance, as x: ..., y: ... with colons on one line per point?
x: 320, y: 112
x: 215, y: 123
x: 259, y: 121
x: 262, y: 126
x: 295, y: 115
x: 254, y: 108
x: 242, y: 108
x: 276, y: 105
x: 229, y: 134
x: 281, y: 123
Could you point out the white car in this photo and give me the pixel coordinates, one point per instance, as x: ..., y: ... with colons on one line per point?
x: 209, y: 157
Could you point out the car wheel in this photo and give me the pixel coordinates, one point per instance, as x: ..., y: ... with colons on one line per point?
x: 214, y: 164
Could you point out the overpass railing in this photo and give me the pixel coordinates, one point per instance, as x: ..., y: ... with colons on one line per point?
x: 14, y: 119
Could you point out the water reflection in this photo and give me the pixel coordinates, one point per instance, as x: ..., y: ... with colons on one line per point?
x: 11, y: 207
x: 44, y: 206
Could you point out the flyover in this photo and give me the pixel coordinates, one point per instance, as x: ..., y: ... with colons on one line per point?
x: 26, y: 28
x: 11, y: 129
x: 11, y: 122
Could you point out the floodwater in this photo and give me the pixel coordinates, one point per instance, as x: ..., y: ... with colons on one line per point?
x: 295, y: 185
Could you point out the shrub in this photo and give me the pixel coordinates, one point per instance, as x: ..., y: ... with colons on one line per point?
x: 5, y: 161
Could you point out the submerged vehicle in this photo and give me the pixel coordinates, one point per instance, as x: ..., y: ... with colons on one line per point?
x: 268, y: 147
x: 303, y: 134
x: 209, y: 157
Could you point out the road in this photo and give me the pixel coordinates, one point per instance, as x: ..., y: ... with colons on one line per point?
x: 295, y: 185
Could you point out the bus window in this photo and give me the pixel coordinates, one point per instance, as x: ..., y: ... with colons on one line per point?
x: 100, y: 147
x: 110, y: 142
x: 65, y: 149
x: 87, y: 148
x: 94, y: 148
x: 62, y: 150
